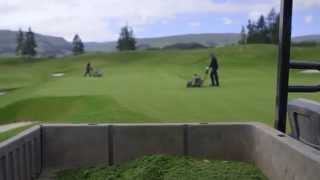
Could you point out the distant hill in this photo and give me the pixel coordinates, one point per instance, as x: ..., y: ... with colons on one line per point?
x: 100, y: 47
x: 307, y: 38
x: 57, y: 46
x: 208, y: 40
x: 47, y: 45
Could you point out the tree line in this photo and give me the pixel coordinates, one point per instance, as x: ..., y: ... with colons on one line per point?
x: 264, y: 30
x: 27, y: 44
x: 306, y: 44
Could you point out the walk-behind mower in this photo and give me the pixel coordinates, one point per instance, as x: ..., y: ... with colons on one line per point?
x: 197, y: 81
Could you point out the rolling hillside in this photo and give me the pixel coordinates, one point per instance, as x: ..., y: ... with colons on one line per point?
x: 57, y: 46
x: 207, y: 40
x: 315, y: 38
x: 47, y: 45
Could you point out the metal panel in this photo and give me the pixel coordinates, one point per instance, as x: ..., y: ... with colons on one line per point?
x: 283, y: 64
x: 18, y: 156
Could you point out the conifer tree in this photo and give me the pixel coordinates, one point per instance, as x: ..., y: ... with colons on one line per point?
x: 265, y: 29
x: 77, y: 45
x: 29, y: 45
x: 126, y: 40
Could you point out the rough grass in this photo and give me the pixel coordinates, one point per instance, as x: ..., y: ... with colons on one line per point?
x: 148, y: 87
x: 167, y: 168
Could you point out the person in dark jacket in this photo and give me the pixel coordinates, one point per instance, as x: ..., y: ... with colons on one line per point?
x: 214, y: 71
x: 88, y: 70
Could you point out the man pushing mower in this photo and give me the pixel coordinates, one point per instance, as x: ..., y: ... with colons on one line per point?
x: 197, y: 81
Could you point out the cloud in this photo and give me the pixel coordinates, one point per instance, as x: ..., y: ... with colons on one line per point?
x: 194, y: 24
x: 97, y: 19
x: 307, y: 3
x: 100, y: 20
x: 165, y: 22
x: 227, y: 21
x: 308, y: 19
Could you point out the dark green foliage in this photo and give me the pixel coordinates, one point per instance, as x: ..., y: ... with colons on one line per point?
x: 20, y: 42
x: 77, y: 45
x: 167, y: 168
x: 184, y: 46
x: 306, y: 44
x: 29, y: 45
x: 126, y: 41
x: 265, y: 30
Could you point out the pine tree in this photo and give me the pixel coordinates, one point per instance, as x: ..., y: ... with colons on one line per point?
x: 275, y: 33
x: 126, y: 40
x: 251, y: 32
x: 265, y: 30
x: 273, y: 25
x: 271, y: 18
x: 261, y: 25
x: 77, y: 45
x: 243, y: 35
x: 20, y: 42
x: 262, y: 30
x: 29, y: 46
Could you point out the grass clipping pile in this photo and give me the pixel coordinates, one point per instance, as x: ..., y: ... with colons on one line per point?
x: 167, y: 168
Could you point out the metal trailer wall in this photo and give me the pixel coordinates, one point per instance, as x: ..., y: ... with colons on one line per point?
x: 47, y: 147
x: 20, y: 157
x: 279, y: 156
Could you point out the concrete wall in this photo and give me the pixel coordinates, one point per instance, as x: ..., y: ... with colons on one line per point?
x: 63, y: 146
x: 20, y: 157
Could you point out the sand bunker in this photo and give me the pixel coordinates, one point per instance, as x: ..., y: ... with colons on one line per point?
x: 310, y: 72
x: 57, y: 74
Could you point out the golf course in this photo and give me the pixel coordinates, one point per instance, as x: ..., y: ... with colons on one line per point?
x: 148, y: 86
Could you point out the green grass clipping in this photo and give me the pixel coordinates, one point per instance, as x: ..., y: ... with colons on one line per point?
x: 160, y: 167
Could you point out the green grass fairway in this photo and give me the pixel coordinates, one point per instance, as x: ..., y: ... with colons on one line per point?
x: 148, y: 87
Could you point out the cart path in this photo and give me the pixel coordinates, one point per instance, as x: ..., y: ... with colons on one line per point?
x: 7, y: 127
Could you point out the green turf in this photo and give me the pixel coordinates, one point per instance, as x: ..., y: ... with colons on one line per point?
x: 148, y: 87
x: 8, y: 134
x: 167, y: 168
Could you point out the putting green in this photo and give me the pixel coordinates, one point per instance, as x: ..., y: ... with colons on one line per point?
x: 148, y: 87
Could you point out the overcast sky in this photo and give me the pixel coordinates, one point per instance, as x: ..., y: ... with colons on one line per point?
x: 100, y: 20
